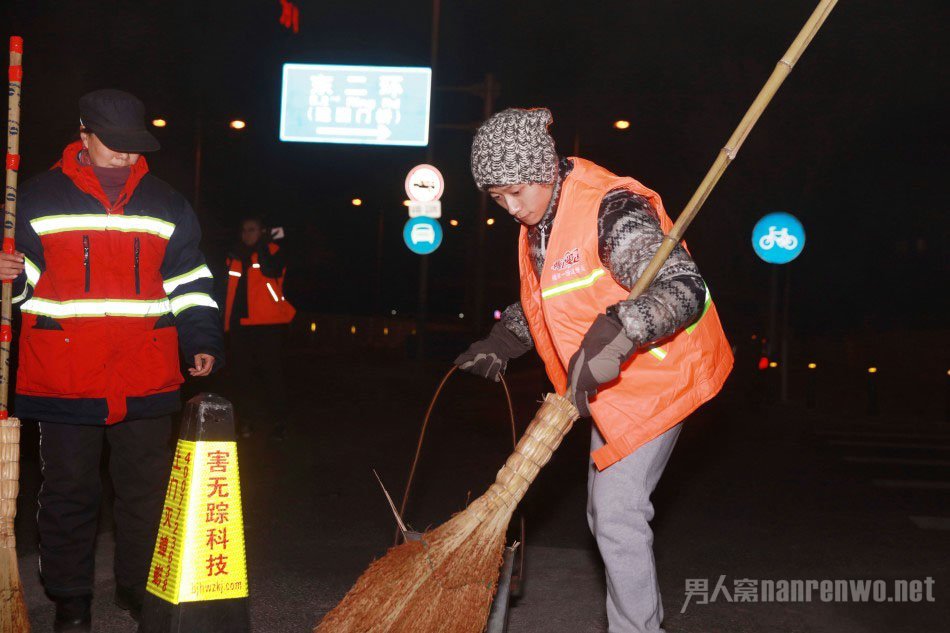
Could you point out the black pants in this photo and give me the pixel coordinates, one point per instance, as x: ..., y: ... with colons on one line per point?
x: 69, y: 499
x: 256, y: 361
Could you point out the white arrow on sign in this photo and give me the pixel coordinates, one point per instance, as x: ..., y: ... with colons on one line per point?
x: 381, y: 132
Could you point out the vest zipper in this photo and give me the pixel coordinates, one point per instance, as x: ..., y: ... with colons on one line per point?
x: 85, y: 258
x: 137, y: 282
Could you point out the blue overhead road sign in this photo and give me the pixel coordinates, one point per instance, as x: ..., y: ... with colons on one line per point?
x: 370, y: 105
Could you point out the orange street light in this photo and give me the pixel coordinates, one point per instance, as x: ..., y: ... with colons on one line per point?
x: 773, y: 364
x: 454, y: 222
x: 622, y: 124
x: 159, y: 122
x: 872, y: 370
x: 405, y: 203
x: 812, y: 366
x: 490, y: 221
x: 356, y: 202
x: 237, y: 124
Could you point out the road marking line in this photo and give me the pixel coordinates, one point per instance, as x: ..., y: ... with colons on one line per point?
x: 912, y: 484
x: 931, y: 523
x: 927, y: 447
x: 896, y: 460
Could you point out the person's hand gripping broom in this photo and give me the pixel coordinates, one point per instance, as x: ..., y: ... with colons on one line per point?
x: 446, y: 581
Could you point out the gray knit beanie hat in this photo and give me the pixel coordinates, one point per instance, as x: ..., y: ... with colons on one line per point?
x: 514, y: 147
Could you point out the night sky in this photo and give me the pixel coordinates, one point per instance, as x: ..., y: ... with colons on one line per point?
x: 854, y: 144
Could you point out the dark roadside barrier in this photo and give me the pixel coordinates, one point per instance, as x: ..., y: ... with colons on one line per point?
x: 198, y: 578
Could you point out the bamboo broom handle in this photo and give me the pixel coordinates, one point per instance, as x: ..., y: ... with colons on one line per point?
x: 9, y: 217
x: 9, y: 427
x: 729, y: 152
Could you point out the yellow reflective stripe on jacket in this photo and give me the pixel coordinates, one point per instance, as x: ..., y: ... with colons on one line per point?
x: 191, y: 300
x: 201, y: 272
x: 575, y: 284
x: 658, y: 352
x: 706, y: 305
x: 32, y: 271
x: 102, y: 222
x: 96, y: 307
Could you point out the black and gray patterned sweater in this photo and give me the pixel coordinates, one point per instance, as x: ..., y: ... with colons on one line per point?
x: 628, y: 234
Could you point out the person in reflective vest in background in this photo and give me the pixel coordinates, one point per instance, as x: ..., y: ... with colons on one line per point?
x: 255, y: 317
x: 637, y: 367
x: 111, y: 285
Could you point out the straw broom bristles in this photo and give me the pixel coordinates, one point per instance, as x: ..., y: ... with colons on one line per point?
x: 13, y: 613
x: 446, y: 581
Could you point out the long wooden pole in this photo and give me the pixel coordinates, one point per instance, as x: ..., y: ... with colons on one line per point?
x: 731, y: 149
x: 13, y: 613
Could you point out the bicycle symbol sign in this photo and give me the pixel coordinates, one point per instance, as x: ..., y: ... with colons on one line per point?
x: 778, y: 238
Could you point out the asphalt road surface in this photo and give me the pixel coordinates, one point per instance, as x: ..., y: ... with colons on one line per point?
x: 754, y: 496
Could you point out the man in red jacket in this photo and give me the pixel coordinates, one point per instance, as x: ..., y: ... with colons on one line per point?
x: 112, y: 285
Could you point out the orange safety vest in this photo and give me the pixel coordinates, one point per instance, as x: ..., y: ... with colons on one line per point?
x: 266, y: 304
x: 658, y: 387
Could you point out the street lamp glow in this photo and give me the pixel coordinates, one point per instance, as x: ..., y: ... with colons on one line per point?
x: 773, y: 364
x: 237, y: 124
x: 622, y: 124
x: 356, y: 202
x: 490, y: 221
x: 159, y: 122
x: 812, y: 366
x: 872, y: 370
x: 405, y: 203
x: 454, y: 222
x: 352, y: 329
x: 461, y: 315
x: 313, y: 327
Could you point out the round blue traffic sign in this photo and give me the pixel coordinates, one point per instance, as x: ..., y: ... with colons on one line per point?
x: 778, y: 238
x: 422, y: 235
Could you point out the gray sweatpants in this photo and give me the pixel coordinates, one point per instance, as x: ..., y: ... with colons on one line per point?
x: 619, y: 511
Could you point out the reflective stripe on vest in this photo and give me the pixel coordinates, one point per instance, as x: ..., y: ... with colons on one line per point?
x: 102, y: 222
x: 201, y: 272
x: 574, y: 284
x: 96, y: 307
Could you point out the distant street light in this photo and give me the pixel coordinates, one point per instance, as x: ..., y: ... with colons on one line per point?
x: 356, y: 202
x: 872, y: 370
x: 237, y: 124
x: 812, y: 366
x: 622, y: 124
x: 405, y: 203
x: 159, y: 122
x: 773, y: 364
x: 490, y: 221
x: 454, y: 222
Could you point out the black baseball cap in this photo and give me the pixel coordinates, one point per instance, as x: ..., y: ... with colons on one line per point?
x: 118, y: 119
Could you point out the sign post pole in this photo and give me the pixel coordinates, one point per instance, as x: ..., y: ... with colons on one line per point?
x: 777, y: 239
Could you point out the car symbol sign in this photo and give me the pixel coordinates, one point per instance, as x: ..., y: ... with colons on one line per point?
x: 422, y: 235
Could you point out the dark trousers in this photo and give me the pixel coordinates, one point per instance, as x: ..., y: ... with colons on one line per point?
x: 256, y: 361
x: 69, y: 499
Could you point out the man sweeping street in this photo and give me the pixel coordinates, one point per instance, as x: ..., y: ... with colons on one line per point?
x: 638, y: 367
x: 111, y: 285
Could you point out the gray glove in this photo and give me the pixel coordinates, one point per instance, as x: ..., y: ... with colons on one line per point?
x: 489, y: 357
x: 603, y: 351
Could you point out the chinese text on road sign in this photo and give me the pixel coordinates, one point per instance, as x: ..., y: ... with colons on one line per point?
x: 372, y: 105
